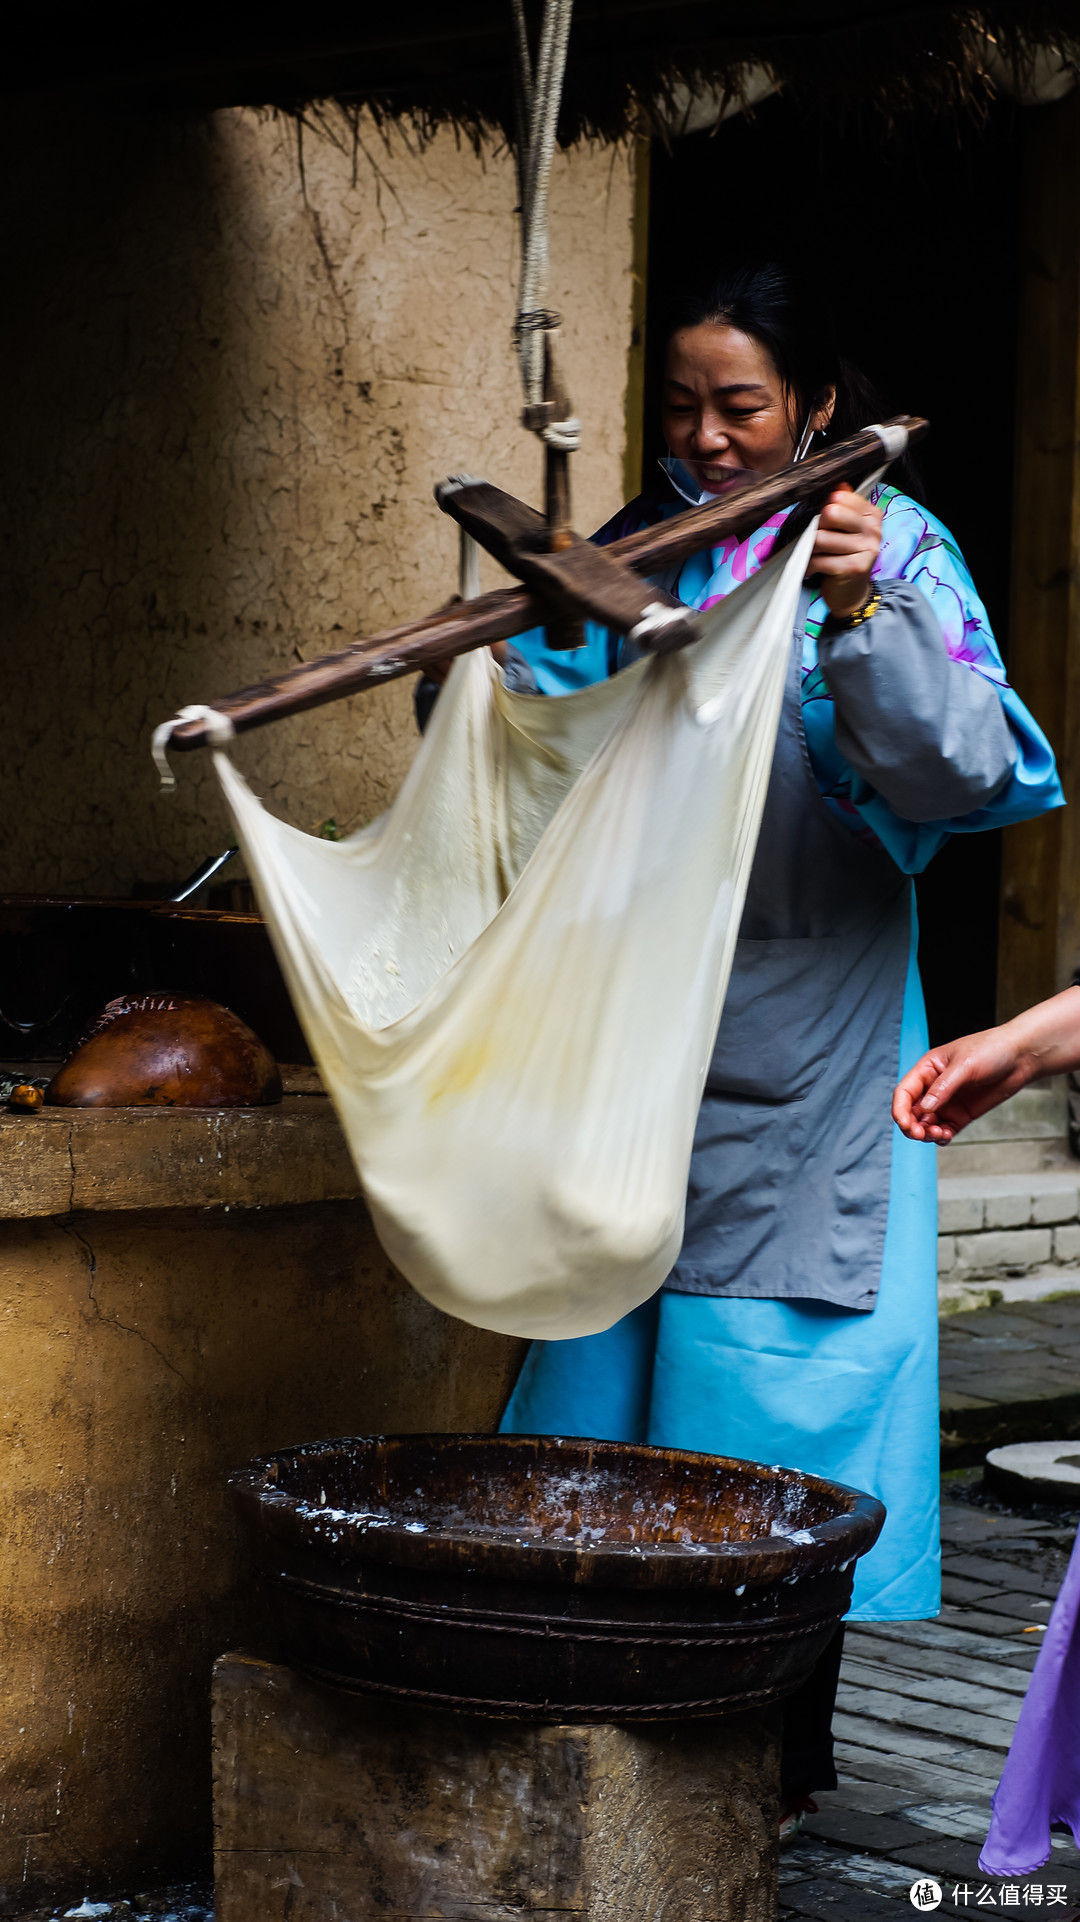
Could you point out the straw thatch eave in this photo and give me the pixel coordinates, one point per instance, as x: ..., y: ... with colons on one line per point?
x: 435, y: 62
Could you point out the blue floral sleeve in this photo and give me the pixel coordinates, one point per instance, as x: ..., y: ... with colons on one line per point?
x: 916, y: 547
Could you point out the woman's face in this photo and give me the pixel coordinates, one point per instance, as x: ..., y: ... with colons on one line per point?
x: 724, y: 409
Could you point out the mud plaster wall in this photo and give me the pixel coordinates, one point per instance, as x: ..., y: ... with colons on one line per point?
x: 145, y: 1355
x: 232, y: 387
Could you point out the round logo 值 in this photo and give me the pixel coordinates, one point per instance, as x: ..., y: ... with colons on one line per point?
x: 925, y: 1895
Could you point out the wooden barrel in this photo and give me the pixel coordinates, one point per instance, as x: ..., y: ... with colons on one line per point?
x: 568, y: 1579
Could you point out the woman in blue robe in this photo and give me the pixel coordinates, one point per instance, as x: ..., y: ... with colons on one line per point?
x: 799, y: 1324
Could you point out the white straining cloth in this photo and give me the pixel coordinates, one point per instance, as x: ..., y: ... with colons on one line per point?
x: 511, y: 981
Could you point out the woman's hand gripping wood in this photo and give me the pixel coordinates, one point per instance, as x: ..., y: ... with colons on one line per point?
x: 846, y: 550
x: 438, y: 670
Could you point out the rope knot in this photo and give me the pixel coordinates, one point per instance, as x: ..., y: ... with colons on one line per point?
x: 542, y: 320
x: 219, y: 728
x: 563, y: 435
x: 893, y: 438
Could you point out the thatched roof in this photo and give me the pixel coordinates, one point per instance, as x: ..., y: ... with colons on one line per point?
x: 450, y: 60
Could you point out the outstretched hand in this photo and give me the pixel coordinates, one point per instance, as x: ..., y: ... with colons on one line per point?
x: 955, y: 1084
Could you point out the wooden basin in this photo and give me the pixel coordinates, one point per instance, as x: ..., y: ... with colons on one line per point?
x: 566, y: 1579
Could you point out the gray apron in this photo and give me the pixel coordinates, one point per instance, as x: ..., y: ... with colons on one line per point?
x: 789, y: 1179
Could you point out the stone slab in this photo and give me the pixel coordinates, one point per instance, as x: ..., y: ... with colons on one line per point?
x: 1003, y: 1157
x: 1010, y: 1373
x: 830, y: 1902
x: 858, y: 1830
x: 1003, y: 1248
x: 959, y: 1294
x: 999, y: 1571
x: 328, y: 1805
x: 946, y: 1254
x: 1008, y: 1199
x: 1037, y: 1113
x: 918, y: 1661
x: 959, y: 1213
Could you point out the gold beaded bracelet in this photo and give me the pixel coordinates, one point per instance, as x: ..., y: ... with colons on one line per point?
x: 861, y: 614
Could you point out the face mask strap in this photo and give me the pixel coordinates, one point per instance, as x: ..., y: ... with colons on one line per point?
x: 805, y: 438
x: 669, y: 463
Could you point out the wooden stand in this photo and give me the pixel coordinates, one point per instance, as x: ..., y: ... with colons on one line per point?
x: 330, y: 1807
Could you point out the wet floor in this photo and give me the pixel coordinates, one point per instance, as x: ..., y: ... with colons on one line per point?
x: 180, y: 1902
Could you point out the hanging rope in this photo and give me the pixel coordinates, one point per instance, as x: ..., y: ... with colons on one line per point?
x: 539, y: 93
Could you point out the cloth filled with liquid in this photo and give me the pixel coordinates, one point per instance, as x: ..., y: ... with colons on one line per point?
x: 512, y: 980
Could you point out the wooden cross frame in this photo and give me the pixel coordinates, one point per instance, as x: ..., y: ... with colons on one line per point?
x: 579, y: 580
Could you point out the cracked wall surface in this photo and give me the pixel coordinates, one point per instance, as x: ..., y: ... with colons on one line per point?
x: 234, y: 381
x: 144, y: 1356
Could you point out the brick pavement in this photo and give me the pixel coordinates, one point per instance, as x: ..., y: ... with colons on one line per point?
x: 924, y: 1718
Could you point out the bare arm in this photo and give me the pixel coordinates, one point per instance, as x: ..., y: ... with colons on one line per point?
x: 957, y: 1083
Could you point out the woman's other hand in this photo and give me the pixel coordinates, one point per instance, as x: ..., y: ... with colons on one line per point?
x: 955, y: 1084
x: 438, y: 669
x: 846, y: 550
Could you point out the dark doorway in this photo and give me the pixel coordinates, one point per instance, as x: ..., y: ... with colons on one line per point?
x: 916, y: 239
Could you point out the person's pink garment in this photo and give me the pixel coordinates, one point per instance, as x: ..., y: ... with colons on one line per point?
x: 1040, y: 1783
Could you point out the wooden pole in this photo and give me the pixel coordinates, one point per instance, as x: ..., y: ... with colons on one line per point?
x: 556, y: 460
x: 565, y: 631
x: 464, y: 625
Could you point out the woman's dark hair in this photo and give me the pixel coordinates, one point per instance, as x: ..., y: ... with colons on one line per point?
x: 777, y: 305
